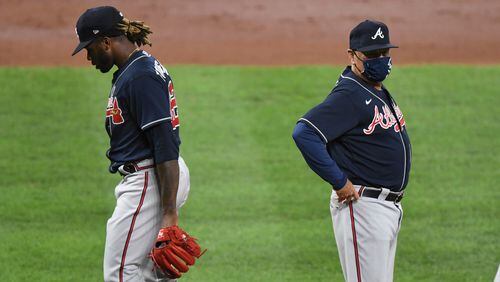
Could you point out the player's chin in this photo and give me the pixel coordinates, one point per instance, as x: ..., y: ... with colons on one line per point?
x: 103, y: 69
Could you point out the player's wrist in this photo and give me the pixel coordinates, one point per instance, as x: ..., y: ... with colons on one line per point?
x: 339, y: 184
x: 170, y: 218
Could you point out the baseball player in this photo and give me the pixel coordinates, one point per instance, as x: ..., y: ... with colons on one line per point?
x: 356, y: 140
x: 143, y: 241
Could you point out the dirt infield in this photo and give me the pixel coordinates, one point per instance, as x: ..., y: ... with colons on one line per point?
x: 261, y: 32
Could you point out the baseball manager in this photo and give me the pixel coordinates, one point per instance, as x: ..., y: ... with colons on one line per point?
x: 356, y: 140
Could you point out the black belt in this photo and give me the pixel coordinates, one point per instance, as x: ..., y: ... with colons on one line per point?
x: 375, y: 193
x: 131, y: 167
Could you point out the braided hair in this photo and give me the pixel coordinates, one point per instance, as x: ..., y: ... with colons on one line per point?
x: 135, y: 31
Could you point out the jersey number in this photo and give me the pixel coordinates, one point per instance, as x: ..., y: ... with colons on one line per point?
x: 173, y: 105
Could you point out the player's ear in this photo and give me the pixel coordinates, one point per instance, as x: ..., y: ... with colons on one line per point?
x: 350, y: 55
x: 106, y: 43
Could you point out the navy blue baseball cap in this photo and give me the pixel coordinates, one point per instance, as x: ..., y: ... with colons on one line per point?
x: 95, y: 22
x: 370, y: 35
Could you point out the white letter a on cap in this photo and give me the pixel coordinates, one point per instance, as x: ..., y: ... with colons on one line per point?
x: 378, y: 33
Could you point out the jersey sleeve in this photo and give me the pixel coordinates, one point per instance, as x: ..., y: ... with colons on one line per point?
x: 316, y: 155
x: 149, y: 101
x: 161, y: 139
x: 333, y: 117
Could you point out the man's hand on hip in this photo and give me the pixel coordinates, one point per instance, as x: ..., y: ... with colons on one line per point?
x: 347, y: 193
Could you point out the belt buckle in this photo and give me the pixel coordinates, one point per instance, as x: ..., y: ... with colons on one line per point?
x: 399, y: 197
x: 126, y: 169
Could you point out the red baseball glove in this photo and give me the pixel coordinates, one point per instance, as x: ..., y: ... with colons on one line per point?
x: 175, y: 251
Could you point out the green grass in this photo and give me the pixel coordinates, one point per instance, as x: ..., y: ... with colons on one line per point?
x: 262, y: 214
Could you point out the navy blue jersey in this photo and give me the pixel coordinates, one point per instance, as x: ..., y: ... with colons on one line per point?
x: 142, y: 96
x: 362, y: 134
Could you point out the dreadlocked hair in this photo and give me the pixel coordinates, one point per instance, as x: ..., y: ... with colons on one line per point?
x: 136, y: 31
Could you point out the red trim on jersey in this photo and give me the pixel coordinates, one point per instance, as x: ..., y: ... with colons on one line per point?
x: 355, y: 242
x: 143, y: 195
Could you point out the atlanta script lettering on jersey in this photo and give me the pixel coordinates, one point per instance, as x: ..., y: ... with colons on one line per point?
x: 385, y: 119
x: 113, y: 110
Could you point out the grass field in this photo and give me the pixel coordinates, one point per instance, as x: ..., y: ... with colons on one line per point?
x: 263, y: 215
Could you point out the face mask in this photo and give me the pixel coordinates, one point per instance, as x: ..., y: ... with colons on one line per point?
x: 377, y: 69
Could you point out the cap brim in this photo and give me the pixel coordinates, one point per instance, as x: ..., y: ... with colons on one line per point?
x: 81, y: 46
x: 376, y: 47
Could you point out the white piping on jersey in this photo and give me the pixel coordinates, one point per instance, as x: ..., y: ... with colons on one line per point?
x: 401, y: 129
x: 113, y: 87
x: 404, y: 151
x: 317, y: 129
x: 118, y: 78
x: 156, y: 121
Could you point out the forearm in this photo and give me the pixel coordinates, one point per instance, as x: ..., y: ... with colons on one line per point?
x: 314, y: 151
x: 165, y: 154
x: 168, y: 183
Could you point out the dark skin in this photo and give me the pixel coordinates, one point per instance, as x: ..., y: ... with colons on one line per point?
x: 105, y: 52
x: 168, y: 180
x: 348, y: 193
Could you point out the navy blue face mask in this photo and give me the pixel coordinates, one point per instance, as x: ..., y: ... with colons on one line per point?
x: 377, y: 69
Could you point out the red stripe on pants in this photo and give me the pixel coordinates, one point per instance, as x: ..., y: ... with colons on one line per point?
x: 355, y: 242
x: 143, y: 195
